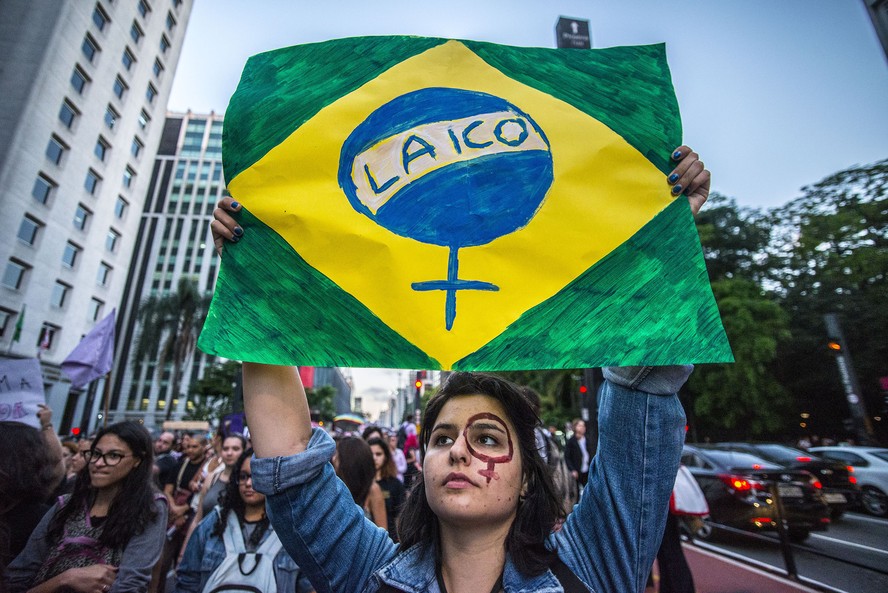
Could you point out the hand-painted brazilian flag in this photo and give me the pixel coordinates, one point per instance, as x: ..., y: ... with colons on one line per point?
x: 430, y: 203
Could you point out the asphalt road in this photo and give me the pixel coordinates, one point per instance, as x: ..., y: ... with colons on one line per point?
x: 852, y: 556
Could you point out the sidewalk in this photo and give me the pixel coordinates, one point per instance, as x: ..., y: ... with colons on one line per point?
x: 717, y: 574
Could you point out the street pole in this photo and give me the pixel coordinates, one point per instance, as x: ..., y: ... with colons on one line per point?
x: 863, y: 428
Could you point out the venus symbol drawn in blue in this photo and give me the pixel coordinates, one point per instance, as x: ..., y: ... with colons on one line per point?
x: 449, y: 167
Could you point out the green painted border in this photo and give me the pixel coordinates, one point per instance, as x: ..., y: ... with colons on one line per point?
x: 282, y: 89
x: 271, y: 306
x: 647, y: 302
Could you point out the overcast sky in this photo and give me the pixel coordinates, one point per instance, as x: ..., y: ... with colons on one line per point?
x: 774, y: 94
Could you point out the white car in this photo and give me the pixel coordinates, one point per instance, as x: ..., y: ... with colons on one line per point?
x: 871, y: 470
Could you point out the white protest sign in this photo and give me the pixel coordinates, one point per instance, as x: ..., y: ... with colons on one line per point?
x: 21, y: 390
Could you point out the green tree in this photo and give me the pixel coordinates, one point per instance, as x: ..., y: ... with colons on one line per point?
x: 169, y: 326
x: 834, y: 244
x: 735, y: 240
x: 210, y: 397
x: 743, y: 399
x: 320, y: 402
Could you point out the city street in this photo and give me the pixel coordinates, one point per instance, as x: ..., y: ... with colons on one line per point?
x: 852, y: 557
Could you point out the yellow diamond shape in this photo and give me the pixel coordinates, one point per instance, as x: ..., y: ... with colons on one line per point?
x: 603, y: 191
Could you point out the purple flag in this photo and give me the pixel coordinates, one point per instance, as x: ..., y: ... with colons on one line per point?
x: 93, y: 356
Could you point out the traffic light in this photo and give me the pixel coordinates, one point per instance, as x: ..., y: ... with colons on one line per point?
x: 418, y: 384
x: 583, y: 389
x: 835, y: 346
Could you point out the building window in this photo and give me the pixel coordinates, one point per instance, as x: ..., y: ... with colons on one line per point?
x: 136, y: 32
x: 81, y: 217
x: 55, y: 150
x: 120, y: 87
x: 90, y: 48
x: 170, y: 22
x: 136, y: 148
x: 79, y: 79
x: 177, y: 4
x: 128, y: 59
x: 92, y: 182
x: 104, y: 275
x: 14, y: 275
x: 164, y: 44
x: 43, y: 187
x: 111, y: 117
x: 158, y: 68
x: 144, y: 9
x: 5, y: 317
x: 69, y: 256
x: 128, y: 177
x: 47, y: 336
x: 144, y: 120
x: 101, y: 149
x: 28, y: 230
x: 111, y: 240
x: 59, y: 294
x: 150, y: 93
x: 120, y: 207
x: 95, y: 309
x: 100, y: 18
x: 68, y: 113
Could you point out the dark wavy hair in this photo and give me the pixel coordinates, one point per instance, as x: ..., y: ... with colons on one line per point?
x: 230, y: 500
x: 133, y: 507
x: 28, y: 471
x: 539, y: 510
x: 388, y: 469
x: 355, y: 467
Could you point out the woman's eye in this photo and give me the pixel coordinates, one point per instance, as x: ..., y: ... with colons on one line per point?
x: 442, y: 440
x: 114, y: 456
x: 488, y: 440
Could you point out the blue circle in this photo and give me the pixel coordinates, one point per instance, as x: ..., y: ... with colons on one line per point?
x: 465, y: 203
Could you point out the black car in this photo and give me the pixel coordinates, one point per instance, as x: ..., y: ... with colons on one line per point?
x: 840, y: 490
x: 738, y: 487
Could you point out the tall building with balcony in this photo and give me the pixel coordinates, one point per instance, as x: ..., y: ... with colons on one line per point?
x: 83, y: 93
x: 173, y: 242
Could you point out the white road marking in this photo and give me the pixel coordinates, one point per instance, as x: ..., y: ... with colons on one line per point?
x: 847, y: 543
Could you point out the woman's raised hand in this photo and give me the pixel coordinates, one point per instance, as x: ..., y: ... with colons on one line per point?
x: 224, y: 226
x: 689, y: 177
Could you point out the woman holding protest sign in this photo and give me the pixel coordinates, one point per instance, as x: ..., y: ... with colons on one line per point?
x: 482, y: 512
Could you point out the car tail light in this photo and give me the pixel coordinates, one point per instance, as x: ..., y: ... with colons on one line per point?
x: 824, y: 519
x: 763, y: 522
x: 851, y: 479
x: 803, y: 459
x: 740, y: 484
x: 816, y: 483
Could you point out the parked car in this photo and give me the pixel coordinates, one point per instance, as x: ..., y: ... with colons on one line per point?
x: 738, y: 487
x: 839, y: 485
x: 870, y: 465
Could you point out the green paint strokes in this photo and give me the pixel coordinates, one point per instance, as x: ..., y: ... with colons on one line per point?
x: 280, y: 90
x: 645, y: 303
x: 273, y: 307
x: 628, y: 89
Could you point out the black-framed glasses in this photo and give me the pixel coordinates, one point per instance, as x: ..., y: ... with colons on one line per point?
x: 244, y: 476
x: 110, y: 458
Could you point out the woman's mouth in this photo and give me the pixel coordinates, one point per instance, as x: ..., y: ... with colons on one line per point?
x: 458, y: 481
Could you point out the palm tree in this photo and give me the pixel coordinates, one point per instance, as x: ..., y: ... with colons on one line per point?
x: 170, y: 324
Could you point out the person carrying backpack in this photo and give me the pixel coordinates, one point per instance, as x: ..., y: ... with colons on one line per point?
x: 235, y: 550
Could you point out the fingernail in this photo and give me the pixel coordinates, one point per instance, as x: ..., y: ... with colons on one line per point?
x: 238, y: 231
x: 676, y: 154
x: 676, y: 189
x: 673, y: 178
x: 234, y: 205
x: 235, y: 239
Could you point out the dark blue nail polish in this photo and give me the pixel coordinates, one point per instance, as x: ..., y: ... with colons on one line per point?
x: 673, y: 178
x: 676, y: 189
x: 234, y: 205
x: 235, y: 239
x: 238, y: 231
x: 676, y: 155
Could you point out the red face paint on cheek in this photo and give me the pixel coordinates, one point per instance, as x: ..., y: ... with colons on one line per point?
x: 490, y: 472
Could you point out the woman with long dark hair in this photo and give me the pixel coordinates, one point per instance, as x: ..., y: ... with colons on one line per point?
x: 107, y: 534
x: 482, y: 513
x: 387, y: 479
x: 241, y: 511
x: 353, y: 464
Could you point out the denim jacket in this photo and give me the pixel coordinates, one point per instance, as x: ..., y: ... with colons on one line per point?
x: 205, y: 552
x: 609, y: 540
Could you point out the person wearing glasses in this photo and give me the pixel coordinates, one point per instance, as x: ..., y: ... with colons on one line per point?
x: 240, y: 517
x: 105, y: 536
